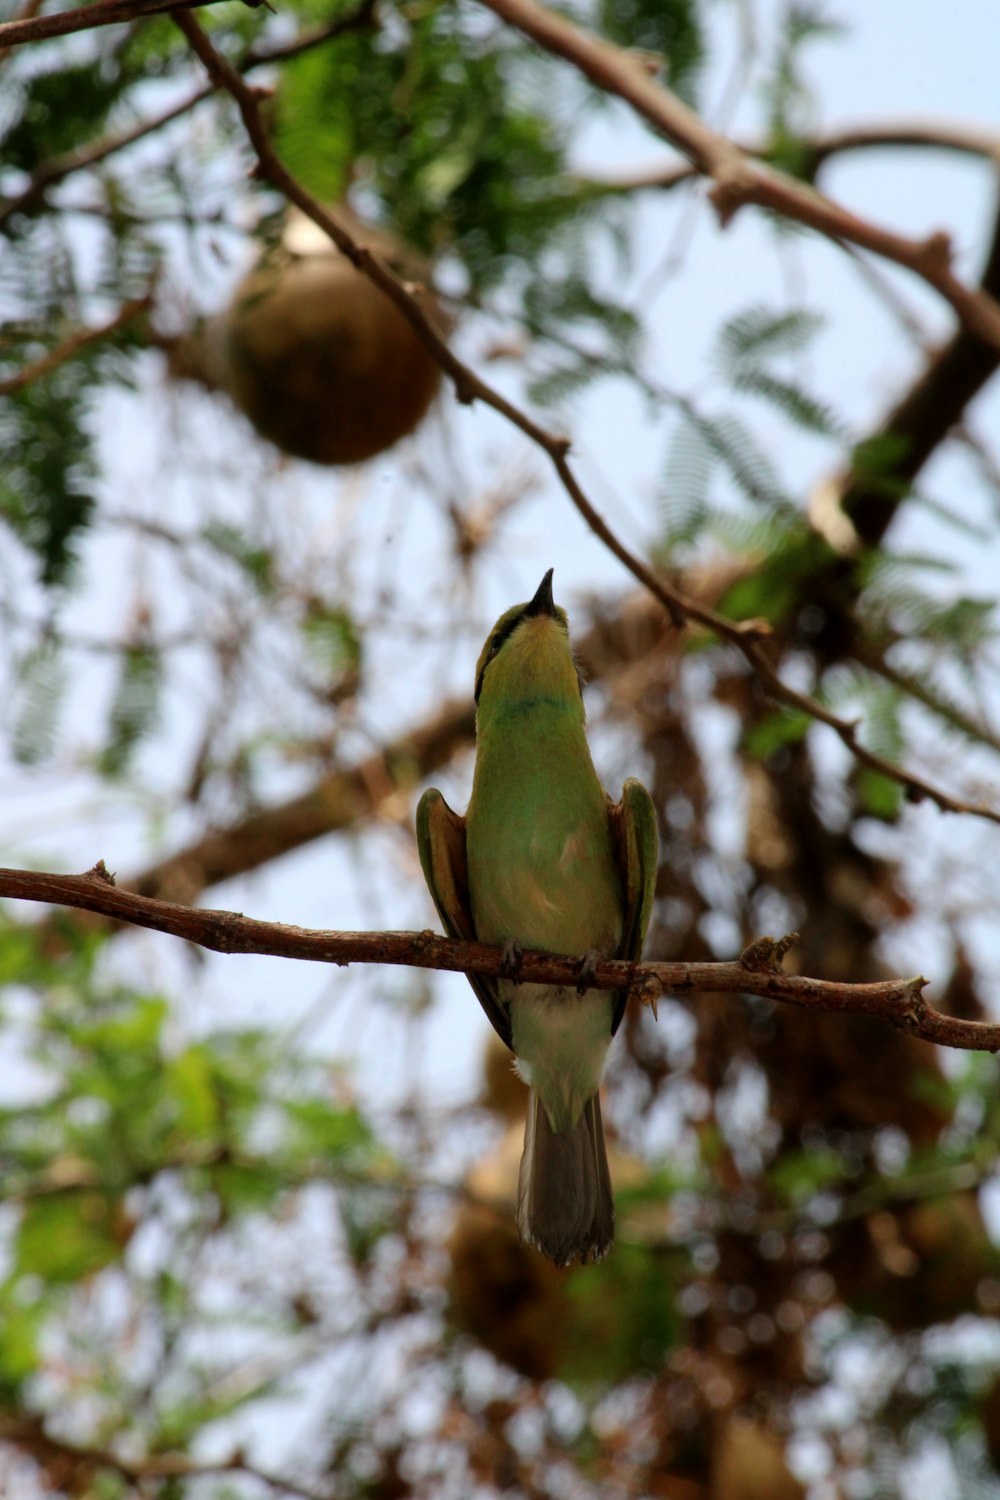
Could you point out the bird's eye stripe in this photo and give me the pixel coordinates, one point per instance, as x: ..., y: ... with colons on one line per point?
x: 498, y: 640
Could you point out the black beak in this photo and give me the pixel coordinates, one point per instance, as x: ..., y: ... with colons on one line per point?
x: 543, y: 603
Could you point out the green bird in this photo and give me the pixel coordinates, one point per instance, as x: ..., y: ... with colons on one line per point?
x: 544, y: 859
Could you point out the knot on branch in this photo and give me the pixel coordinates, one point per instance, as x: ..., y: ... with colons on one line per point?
x: 936, y: 253
x: 764, y: 954
x: 914, y: 1010
x: 730, y: 190
x: 100, y: 872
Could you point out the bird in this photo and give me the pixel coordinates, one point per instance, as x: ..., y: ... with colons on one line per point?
x: 543, y: 859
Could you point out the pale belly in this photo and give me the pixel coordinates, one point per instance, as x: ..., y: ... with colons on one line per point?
x: 556, y: 889
x: 561, y: 1041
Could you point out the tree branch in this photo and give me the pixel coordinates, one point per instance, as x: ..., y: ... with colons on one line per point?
x: 758, y: 971
x: 746, y: 635
x: 80, y: 339
x: 86, y: 17
x: 737, y: 179
x: 936, y: 135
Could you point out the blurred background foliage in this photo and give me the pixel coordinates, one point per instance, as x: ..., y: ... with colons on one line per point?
x: 229, y: 1265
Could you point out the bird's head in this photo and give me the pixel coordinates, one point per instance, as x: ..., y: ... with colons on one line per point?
x: 527, y: 656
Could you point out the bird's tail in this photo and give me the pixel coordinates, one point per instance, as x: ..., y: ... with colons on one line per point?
x: 565, y: 1206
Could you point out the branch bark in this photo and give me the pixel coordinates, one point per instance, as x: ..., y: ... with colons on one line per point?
x: 87, y: 17
x: 900, y: 1002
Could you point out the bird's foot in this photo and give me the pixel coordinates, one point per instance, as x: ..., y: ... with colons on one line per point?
x: 587, y: 970
x: 511, y: 959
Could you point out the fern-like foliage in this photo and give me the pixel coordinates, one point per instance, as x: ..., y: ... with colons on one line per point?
x: 750, y: 341
x: 135, y: 707
x: 36, y: 702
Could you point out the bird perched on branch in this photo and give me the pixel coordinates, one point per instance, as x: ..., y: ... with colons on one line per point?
x: 544, y: 859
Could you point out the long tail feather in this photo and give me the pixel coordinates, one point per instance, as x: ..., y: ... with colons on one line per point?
x: 565, y: 1207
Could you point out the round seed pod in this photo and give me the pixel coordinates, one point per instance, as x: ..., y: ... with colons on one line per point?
x: 314, y: 354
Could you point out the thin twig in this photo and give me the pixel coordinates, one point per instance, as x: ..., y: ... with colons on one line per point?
x: 746, y: 635
x: 82, y: 338
x: 816, y: 150
x: 758, y: 971
x: 737, y: 179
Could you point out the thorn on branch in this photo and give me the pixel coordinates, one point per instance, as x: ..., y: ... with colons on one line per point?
x: 649, y: 991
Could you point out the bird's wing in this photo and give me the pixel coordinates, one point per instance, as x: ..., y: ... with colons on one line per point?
x: 441, y: 842
x: 633, y: 829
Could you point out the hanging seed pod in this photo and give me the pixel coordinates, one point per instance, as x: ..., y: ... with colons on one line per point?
x: 313, y: 353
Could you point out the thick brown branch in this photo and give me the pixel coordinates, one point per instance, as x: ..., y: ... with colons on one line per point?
x: 900, y: 1002
x: 737, y: 179
x: 86, y: 17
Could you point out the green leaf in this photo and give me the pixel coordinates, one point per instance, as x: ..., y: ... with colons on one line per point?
x: 59, y: 109
x: 691, y: 461
x: 562, y: 382
x: 318, y: 1128
x: 759, y: 333
x: 670, y: 29
x: 64, y: 1237
x: 786, y: 726
x: 332, y: 638
x: 135, y: 708
x: 796, y: 1176
x: 45, y: 489
x: 21, y: 1325
x: 804, y: 410
x: 879, y: 796
x: 189, y: 1084
x: 257, y: 562
x: 40, y: 683
x: 749, y: 467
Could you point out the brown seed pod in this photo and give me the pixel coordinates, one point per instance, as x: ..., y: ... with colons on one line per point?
x: 314, y: 354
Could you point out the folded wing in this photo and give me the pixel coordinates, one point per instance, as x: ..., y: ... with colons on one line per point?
x: 441, y: 842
